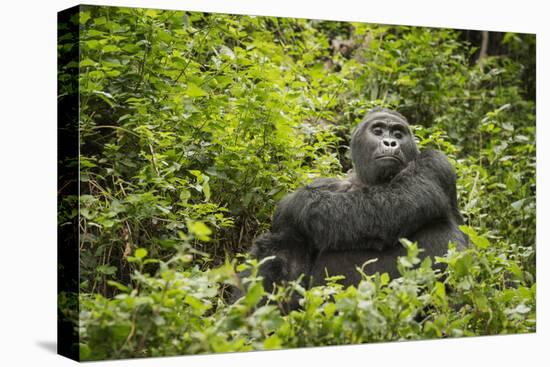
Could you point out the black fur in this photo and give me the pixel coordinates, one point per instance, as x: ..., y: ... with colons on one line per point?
x: 331, y: 226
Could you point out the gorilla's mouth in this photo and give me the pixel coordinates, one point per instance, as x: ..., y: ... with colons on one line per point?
x: 390, y: 158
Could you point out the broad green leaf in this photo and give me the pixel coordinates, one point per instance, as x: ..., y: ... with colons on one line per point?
x: 140, y: 253
x: 273, y: 342
x: 254, y: 295
x: 194, y: 90
x: 106, y: 269
x: 199, y: 230
x: 87, y: 62
x: 84, y: 17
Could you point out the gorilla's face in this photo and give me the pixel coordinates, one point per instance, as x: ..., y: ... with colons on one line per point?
x: 382, y: 145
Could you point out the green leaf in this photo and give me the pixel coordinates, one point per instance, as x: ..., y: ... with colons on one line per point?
x: 106, y: 269
x: 110, y: 48
x: 481, y: 302
x: 463, y: 265
x: 517, y: 205
x: 478, y: 241
x: 206, y: 191
x: 140, y: 253
x: 120, y: 332
x: 199, y: 230
x: 119, y: 286
x: 226, y: 51
x: 330, y: 309
x: 151, y: 13
x: 84, y: 17
x: 254, y: 295
x: 106, y: 97
x: 440, y: 290
x: 87, y: 62
x: 100, y: 21
x: 85, y: 351
x: 194, y: 90
x: 522, y: 309
x: 384, y: 279
x: 273, y: 342
x: 198, y: 307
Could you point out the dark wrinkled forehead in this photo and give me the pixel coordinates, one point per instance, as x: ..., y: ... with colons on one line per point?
x: 384, y: 117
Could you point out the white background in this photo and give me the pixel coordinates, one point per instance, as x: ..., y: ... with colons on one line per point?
x: 28, y: 181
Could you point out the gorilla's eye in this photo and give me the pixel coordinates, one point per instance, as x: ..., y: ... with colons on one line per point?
x: 398, y: 134
x: 377, y: 131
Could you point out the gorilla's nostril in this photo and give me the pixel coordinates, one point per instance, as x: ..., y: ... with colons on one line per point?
x: 389, y: 143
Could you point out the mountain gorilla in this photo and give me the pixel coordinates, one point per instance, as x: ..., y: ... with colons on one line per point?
x: 332, y: 225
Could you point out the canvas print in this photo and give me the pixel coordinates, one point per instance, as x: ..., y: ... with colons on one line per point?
x: 232, y: 183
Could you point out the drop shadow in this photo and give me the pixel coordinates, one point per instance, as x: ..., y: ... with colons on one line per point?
x: 49, y: 345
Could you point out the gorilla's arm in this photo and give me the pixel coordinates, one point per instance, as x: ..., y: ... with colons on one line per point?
x: 372, y: 217
x: 332, y: 185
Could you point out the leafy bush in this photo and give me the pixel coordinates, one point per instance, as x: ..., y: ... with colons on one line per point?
x: 193, y: 126
x: 180, y: 312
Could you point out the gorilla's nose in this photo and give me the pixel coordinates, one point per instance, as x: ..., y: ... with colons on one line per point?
x: 390, y: 143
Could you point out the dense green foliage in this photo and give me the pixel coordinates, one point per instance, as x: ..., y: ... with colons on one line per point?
x: 193, y: 126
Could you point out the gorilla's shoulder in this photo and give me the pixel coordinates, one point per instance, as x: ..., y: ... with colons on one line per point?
x: 432, y: 154
x: 437, y: 163
x: 434, y: 157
